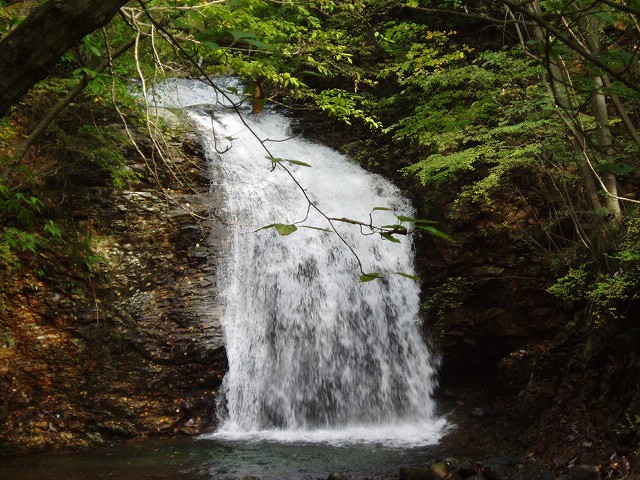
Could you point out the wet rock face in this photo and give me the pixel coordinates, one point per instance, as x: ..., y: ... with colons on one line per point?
x: 134, y: 348
x: 166, y: 309
x: 491, y: 320
x: 165, y: 315
x: 483, y: 302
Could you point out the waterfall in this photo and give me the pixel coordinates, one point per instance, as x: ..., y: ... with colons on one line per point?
x: 314, y: 354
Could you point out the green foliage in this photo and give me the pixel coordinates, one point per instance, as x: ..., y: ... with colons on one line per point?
x: 476, y: 121
x: 287, y: 46
x: 275, y: 160
x: 444, y: 298
x: 346, y: 106
x: 107, y: 147
x: 573, y: 286
x: 53, y: 230
x: 21, y: 215
x: 9, y: 17
x: 19, y: 240
x: 18, y: 206
x: 9, y: 261
x: 609, y: 294
x: 417, y: 51
x: 7, y: 129
x: 369, y: 277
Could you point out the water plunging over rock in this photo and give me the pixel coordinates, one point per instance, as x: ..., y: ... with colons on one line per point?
x: 314, y: 354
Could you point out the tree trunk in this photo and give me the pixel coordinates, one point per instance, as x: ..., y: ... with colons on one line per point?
x: 591, y: 27
x: 558, y: 84
x: 28, y: 53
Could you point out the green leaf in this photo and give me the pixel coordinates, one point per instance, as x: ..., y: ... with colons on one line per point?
x: 242, y: 35
x: 181, y: 23
x: 388, y: 236
x: 433, y: 231
x: 385, y: 209
x: 315, y: 228
x: 368, y: 277
x: 257, y: 43
x: 406, y: 275
x: 53, y: 229
x: 281, y: 228
x: 605, y: 17
x: 298, y: 162
x: 92, y: 46
x: 250, y: 38
x: 284, y: 229
x: 288, y: 160
x: 210, y: 44
x: 416, y: 221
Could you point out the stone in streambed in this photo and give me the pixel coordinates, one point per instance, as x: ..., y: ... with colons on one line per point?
x: 437, y: 471
x: 467, y: 471
x: 337, y: 476
x: 532, y: 470
x: 581, y: 472
x: 499, y: 468
x: 441, y: 469
x: 415, y: 473
x: 476, y: 476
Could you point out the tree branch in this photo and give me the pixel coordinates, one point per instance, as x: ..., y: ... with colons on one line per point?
x: 28, y: 53
x: 539, y: 20
x: 66, y: 100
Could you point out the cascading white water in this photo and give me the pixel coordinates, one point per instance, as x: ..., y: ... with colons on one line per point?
x: 314, y: 354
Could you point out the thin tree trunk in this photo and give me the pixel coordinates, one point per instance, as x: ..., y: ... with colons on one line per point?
x: 605, y: 144
x: 28, y: 53
x: 591, y: 30
x: 557, y: 83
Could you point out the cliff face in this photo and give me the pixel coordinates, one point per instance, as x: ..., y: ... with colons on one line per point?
x: 522, y: 372
x: 134, y: 348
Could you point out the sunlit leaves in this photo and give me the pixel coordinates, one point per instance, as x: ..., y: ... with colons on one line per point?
x: 346, y: 106
x: 422, y: 225
x: 475, y: 122
x: 282, y: 228
x: 93, y: 45
x: 417, y: 50
x: 249, y: 38
x: 369, y: 277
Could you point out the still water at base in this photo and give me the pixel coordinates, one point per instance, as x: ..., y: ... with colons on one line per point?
x: 219, y: 460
